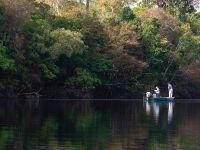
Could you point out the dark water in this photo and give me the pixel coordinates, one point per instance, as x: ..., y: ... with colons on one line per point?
x: 99, y: 125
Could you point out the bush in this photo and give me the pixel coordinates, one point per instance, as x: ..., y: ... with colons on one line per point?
x: 6, y: 63
x: 127, y: 14
x: 83, y: 79
x: 66, y: 23
x: 65, y: 42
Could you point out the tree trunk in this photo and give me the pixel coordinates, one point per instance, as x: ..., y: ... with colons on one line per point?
x: 87, y: 6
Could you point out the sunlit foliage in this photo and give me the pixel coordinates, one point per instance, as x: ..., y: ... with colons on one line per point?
x: 65, y: 42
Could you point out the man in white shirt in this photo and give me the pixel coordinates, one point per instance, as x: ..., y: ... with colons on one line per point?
x: 157, y: 91
x: 170, y: 89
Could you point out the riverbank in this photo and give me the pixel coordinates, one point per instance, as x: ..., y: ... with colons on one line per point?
x: 99, y: 93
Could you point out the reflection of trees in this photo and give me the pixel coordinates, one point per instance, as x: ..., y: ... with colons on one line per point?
x: 90, y: 127
x: 48, y: 129
x: 6, y: 137
x: 96, y: 126
x: 128, y: 129
x: 188, y: 123
x: 75, y: 125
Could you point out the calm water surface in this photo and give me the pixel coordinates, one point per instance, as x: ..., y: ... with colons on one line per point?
x: 99, y: 125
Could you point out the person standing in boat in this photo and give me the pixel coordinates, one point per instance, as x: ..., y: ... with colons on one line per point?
x: 157, y: 91
x: 170, y: 89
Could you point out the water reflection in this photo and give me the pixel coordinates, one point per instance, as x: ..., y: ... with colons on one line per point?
x: 156, y: 110
x: 148, y: 108
x: 156, y: 107
x: 98, y: 125
x: 170, y: 112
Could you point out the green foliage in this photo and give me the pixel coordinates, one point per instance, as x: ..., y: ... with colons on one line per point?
x: 127, y: 14
x: 65, y: 42
x: 94, y: 34
x: 156, y: 48
x: 137, y: 10
x: 178, y: 7
x: 189, y: 48
x: 150, y: 30
x: 101, y: 65
x: 40, y: 12
x: 37, y: 35
x: 50, y: 69
x: 2, y: 14
x: 6, y: 62
x: 67, y: 23
x: 38, y: 26
x: 83, y: 79
x: 194, y: 21
x: 107, y: 9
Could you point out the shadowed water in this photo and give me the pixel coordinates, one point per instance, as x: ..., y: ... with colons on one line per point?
x: 99, y: 125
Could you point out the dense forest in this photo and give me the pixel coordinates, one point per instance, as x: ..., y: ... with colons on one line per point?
x: 99, y: 48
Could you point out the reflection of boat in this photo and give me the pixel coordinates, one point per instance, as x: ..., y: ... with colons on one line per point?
x: 170, y: 112
x: 157, y: 106
x: 148, y: 108
x: 156, y: 109
x: 167, y: 99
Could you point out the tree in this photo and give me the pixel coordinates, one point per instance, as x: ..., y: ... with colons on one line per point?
x: 167, y: 22
x: 176, y: 7
x: 189, y: 48
x: 162, y: 38
x: 126, y: 54
x: 65, y: 42
x: 6, y: 62
x: 83, y: 79
x: 194, y: 21
x: 107, y: 9
x: 156, y: 47
x: 127, y: 14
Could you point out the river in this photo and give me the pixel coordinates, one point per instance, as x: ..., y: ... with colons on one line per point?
x: 99, y: 125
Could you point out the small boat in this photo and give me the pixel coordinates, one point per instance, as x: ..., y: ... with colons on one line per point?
x: 153, y: 98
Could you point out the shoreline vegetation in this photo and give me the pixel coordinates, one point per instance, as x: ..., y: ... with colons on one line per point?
x: 99, y: 49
